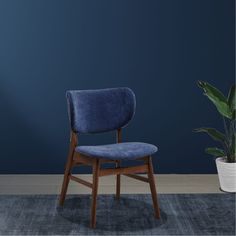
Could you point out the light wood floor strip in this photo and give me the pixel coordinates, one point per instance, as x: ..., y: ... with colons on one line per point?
x: 51, y: 184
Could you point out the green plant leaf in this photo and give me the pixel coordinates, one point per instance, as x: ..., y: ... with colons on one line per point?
x: 211, y: 89
x: 215, y: 151
x: 217, y: 98
x: 214, y: 133
x: 234, y: 114
x: 232, y: 98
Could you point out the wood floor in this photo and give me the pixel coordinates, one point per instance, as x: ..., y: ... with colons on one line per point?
x: 51, y: 184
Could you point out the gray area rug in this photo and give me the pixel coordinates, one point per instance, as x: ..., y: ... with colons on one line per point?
x: 181, y: 214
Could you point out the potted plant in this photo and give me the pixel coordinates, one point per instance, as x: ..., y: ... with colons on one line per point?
x: 225, y: 156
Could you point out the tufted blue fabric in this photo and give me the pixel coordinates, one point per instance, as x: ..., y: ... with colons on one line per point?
x: 94, y: 111
x: 118, y: 151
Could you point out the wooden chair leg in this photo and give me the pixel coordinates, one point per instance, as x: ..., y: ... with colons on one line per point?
x: 65, y: 182
x: 153, y: 188
x: 96, y: 168
x: 73, y: 141
x: 118, y: 182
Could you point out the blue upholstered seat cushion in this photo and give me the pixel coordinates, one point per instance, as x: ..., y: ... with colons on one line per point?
x: 118, y: 151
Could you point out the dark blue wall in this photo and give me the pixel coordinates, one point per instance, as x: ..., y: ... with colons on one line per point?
x: 158, y: 48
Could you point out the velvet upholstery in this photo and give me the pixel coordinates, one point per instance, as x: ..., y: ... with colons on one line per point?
x: 94, y: 111
x: 118, y: 151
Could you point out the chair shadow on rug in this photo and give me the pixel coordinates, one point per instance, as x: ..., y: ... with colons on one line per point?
x: 128, y: 214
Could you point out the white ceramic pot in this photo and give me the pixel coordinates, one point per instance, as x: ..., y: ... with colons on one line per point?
x: 227, y: 174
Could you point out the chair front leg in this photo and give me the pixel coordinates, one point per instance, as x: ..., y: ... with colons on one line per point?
x: 66, y: 180
x: 96, y: 169
x: 73, y: 141
x: 153, y: 187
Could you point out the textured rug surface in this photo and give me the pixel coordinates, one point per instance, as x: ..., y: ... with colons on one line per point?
x: 181, y: 214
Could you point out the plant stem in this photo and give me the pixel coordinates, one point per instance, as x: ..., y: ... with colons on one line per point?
x: 232, y: 141
x: 227, y: 145
x: 226, y: 129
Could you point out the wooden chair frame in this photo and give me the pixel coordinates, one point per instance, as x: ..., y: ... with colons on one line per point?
x: 75, y: 159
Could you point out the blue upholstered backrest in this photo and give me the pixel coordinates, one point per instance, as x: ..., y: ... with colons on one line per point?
x: 102, y: 110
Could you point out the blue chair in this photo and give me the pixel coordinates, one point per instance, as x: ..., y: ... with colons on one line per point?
x: 103, y: 110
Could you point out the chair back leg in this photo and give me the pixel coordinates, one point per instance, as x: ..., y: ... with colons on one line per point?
x: 96, y: 169
x: 153, y: 187
x: 118, y: 140
x: 118, y: 182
